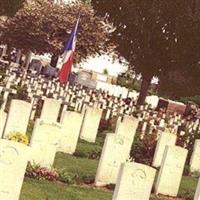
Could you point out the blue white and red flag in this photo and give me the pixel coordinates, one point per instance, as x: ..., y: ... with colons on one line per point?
x: 68, y: 55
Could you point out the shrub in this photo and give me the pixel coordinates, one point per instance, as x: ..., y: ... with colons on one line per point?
x: 195, y: 99
x: 143, y: 148
x: 67, y: 177
x: 89, y: 150
x: 21, y: 93
x: 94, y: 154
x: 88, y: 179
x: 18, y: 137
x: 104, y: 125
x: 41, y: 173
x: 187, y: 141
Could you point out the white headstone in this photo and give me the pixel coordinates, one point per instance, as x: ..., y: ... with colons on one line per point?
x: 134, y: 181
x: 113, y: 155
x: 44, y: 142
x: 170, y: 174
x: 71, y: 125
x: 18, y: 117
x: 90, y: 124
x: 50, y: 110
x: 13, y: 162
x: 165, y: 138
x: 127, y: 129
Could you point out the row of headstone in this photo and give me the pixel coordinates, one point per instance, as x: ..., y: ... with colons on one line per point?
x: 78, y: 97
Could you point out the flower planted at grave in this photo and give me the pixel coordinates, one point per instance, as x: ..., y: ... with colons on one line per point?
x: 41, y: 173
x: 18, y: 137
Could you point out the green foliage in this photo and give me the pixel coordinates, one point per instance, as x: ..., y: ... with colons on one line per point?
x: 22, y: 93
x: 187, y: 141
x: 89, y: 150
x: 105, y: 125
x: 128, y: 83
x: 143, y: 148
x: 195, y: 99
x: 181, y: 84
x: 18, y: 137
x: 105, y: 71
x: 67, y: 177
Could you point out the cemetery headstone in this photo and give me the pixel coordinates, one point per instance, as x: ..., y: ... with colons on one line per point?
x: 71, y: 125
x: 44, y: 142
x: 90, y: 124
x: 134, y: 181
x: 13, y: 162
x: 171, y: 171
x: 18, y: 117
x: 165, y: 139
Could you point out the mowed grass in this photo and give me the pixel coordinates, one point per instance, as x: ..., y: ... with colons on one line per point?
x: 83, y: 167
x: 74, y: 165
x: 86, y: 147
x: 45, y: 190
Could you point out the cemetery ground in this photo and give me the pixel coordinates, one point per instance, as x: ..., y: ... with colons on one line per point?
x: 78, y: 178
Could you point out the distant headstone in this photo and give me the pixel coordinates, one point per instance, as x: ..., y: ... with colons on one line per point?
x: 13, y: 162
x: 71, y: 125
x: 50, y: 110
x: 165, y: 139
x: 18, y: 117
x: 127, y: 129
x: 90, y: 124
x: 134, y: 181
x: 170, y: 174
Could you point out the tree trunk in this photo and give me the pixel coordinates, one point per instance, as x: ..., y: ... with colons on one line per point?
x: 146, y: 82
x: 54, y: 60
x: 27, y: 60
x: 18, y: 56
x: 26, y: 63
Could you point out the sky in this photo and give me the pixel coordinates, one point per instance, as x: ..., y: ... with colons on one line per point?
x: 99, y: 63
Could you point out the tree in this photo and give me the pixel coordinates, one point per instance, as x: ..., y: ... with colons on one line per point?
x: 178, y: 84
x: 10, y: 7
x: 154, y: 36
x: 42, y: 27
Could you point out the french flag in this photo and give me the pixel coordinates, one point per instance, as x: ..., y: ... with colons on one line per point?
x: 68, y: 55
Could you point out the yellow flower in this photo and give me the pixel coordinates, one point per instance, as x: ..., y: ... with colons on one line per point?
x: 18, y: 137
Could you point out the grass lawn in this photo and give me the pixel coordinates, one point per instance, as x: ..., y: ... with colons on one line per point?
x: 74, y: 165
x: 86, y: 147
x: 45, y: 190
